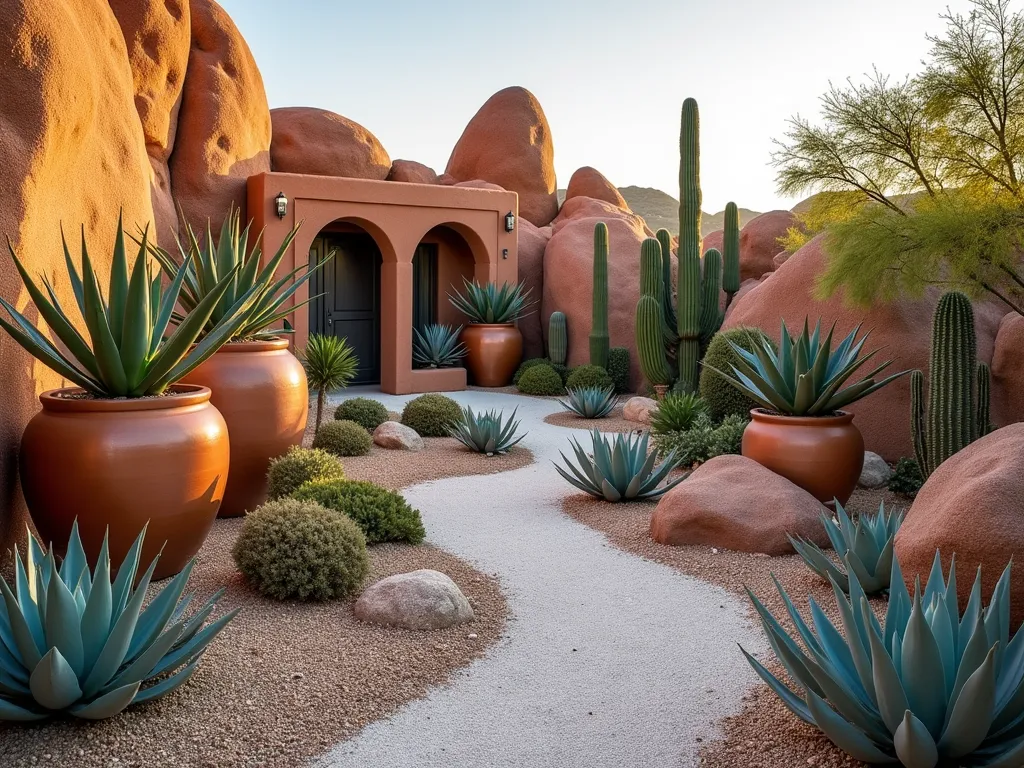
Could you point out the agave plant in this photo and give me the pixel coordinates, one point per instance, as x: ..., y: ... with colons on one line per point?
x: 806, y: 376
x: 207, y: 263
x: 590, y: 402
x: 486, y: 432
x: 330, y: 363
x: 678, y: 412
x: 929, y: 687
x: 72, y: 641
x: 437, y: 346
x: 865, y: 549
x: 490, y: 304
x: 126, y: 354
x: 620, y: 468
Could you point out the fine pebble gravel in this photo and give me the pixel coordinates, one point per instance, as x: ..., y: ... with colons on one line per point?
x: 613, y: 422
x: 610, y: 659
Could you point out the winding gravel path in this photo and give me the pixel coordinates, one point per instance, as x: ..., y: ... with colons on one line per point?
x: 609, y: 660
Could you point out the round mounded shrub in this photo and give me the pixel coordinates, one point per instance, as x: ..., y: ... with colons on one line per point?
x: 290, y: 549
x: 343, y: 438
x: 431, y: 415
x: 589, y: 376
x: 301, y: 465
x: 618, y: 368
x: 367, y: 413
x: 541, y: 380
x: 527, y: 365
x: 381, y: 514
x: 722, y: 398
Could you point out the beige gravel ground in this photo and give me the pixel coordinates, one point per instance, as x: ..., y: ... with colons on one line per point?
x: 613, y: 422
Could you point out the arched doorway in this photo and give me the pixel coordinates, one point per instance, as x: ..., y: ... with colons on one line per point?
x: 442, y: 259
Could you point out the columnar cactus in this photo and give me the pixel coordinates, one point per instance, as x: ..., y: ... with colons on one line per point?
x: 957, y: 411
x: 651, y: 329
x: 599, y: 340
x: 668, y: 299
x: 731, y: 253
x: 558, y: 338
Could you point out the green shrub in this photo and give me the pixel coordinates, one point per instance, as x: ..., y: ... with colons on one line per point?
x: 541, y: 380
x: 677, y: 413
x: 527, y: 365
x: 562, y: 371
x: 301, y: 465
x: 723, y: 398
x: 906, y: 478
x: 431, y: 415
x: 589, y: 376
x: 343, y: 438
x: 290, y: 549
x: 381, y: 514
x: 727, y: 437
x: 618, y: 368
x: 367, y: 413
x: 704, y: 440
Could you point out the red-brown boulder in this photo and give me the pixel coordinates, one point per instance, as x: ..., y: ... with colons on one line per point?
x: 224, y: 122
x: 508, y: 143
x: 713, y: 240
x: 322, y: 143
x: 732, y: 502
x: 411, y: 172
x: 532, y: 242
x: 970, y: 506
x: 759, y: 242
x: 1008, y: 371
x: 590, y: 182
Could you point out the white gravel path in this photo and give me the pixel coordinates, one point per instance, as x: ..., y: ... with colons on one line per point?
x: 609, y: 660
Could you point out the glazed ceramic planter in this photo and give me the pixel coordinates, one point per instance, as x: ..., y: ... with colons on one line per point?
x: 121, y: 464
x: 493, y: 352
x: 260, y: 389
x: 823, y: 455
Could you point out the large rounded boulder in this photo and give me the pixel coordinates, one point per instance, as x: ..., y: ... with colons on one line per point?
x: 532, y: 243
x: 322, y: 143
x: 590, y: 182
x: 759, y: 242
x: 508, y: 143
x: 970, y: 506
x: 1008, y: 371
x: 412, y: 172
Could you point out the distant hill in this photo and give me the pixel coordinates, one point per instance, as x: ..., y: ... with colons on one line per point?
x: 660, y: 209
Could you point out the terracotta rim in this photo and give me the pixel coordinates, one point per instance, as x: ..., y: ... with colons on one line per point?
x: 183, y: 395
x: 840, y: 417
x: 490, y: 325
x: 264, y: 345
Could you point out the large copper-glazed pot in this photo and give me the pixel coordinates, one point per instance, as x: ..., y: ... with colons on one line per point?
x: 119, y: 464
x: 260, y: 389
x: 493, y: 352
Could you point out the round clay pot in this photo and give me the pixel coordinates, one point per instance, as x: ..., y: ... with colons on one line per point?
x: 493, y: 352
x: 824, y: 455
x: 121, y: 464
x: 260, y: 389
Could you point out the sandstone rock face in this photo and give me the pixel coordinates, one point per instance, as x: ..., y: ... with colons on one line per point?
x: 397, y: 437
x: 532, y: 242
x: 1008, y: 371
x: 759, y: 242
x: 224, y: 122
x: 970, y: 506
x: 422, y: 599
x: 508, y: 143
x: 569, y: 275
x: 734, y: 503
x: 903, y: 328
x: 72, y: 151
x: 590, y: 182
x: 322, y: 143
x: 412, y: 172
x: 713, y: 240
x: 640, y: 409
x: 876, y: 472
x: 158, y: 36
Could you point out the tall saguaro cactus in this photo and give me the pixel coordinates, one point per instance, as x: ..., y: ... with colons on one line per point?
x: 558, y: 338
x: 599, y: 339
x: 668, y: 301
x: 731, y: 253
x: 957, y: 411
x: 652, y: 332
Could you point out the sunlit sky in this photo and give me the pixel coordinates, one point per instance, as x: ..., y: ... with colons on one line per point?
x: 610, y: 75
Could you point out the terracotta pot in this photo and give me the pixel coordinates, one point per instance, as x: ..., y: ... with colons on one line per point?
x: 123, y: 463
x: 260, y: 389
x: 824, y: 455
x: 493, y: 353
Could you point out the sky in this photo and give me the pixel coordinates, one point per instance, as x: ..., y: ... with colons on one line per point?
x: 611, y: 76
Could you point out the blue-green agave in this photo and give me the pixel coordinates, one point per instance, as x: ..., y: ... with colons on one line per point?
x: 485, y: 432
x: 73, y: 642
x: 620, y: 469
x: 866, y: 548
x: 488, y: 304
x: 929, y: 687
x: 590, y: 402
x: 437, y: 346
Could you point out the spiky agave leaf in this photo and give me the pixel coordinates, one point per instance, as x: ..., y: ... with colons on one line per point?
x: 929, y: 686
x: 489, y: 304
x: 72, y: 641
x: 590, y: 402
x: 486, y: 432
x: 437, y: 346
x: 620, y: 470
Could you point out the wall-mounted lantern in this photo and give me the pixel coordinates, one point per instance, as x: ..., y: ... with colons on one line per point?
x: 281, y: 205
x: 510, y: 221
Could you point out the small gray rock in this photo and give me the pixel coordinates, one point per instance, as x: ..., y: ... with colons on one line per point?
x: 421, y: 599
x: 396, y: 436
x: 876, y: 472
x: 639, y: 409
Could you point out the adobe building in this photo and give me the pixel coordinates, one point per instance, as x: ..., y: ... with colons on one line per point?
x: 399, y: 250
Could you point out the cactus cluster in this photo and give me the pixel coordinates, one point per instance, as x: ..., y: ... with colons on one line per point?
x: 599, y: 339
x: 957, y: 410
x: 558, y: 338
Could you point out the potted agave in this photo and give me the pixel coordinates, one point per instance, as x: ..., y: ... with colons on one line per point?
x: 258, y: 385
x: 494, y: 346
x: 129, y: 438
x: 801, y: 431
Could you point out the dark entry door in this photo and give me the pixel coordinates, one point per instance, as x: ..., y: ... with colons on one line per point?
x: 350, y: 307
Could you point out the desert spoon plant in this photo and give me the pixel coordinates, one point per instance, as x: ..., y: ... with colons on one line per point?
x: 330, y: 363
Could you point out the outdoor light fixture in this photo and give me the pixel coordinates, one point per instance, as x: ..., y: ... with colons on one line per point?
x: 510, y: 221
x: 281, y: 203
